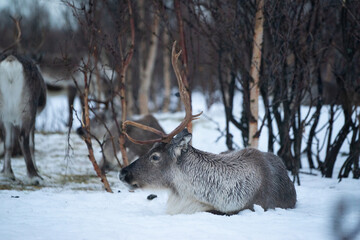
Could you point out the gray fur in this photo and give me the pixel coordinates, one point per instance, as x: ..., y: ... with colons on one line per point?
x: 219, y: 183
x: 17, y: 120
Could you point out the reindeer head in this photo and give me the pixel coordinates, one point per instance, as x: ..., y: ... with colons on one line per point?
x: 155, y: 169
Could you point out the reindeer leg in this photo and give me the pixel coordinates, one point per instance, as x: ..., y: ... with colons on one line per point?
x: 109, y: 162
x: 8, y: 144
x: 32, y: 147
x: 31, y: 170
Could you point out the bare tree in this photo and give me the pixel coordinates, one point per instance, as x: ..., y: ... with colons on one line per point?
x: 88, y: 142
x: 185, y: 98
x: 166, y: 72
x: 255, y: 74
x: 310, y: 56
x: 303, y: 61
x: 147, y: 64
x: 124, y: 65
x: 86, y: 68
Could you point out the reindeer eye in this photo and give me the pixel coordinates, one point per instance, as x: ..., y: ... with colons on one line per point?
x: 155, y: 157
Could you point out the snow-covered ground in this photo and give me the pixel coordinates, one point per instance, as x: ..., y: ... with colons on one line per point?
x: 71, y: 203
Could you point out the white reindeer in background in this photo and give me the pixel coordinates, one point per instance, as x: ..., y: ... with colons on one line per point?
x: 22, y: 96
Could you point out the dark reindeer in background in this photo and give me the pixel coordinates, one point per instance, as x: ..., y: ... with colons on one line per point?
x: 201, y: 181
x: 22, y: 96
x: 111, y: 147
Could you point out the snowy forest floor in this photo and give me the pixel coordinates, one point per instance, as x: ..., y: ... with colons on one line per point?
x: 71, y: 202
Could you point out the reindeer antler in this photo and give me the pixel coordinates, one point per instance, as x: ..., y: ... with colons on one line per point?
x: 185, y: 98
x: 18, y: 37
x: 144, y: 127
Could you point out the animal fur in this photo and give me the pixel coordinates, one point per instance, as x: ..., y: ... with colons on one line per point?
x: 22, y: 96
x: 219, y: 183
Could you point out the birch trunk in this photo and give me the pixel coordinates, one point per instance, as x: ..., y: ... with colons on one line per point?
x: 147, y: 69
x: 166, y: 72
x: 254, y: 73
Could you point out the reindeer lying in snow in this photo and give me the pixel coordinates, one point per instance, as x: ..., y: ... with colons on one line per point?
x: 22, y: 96
x: 200, y: 181
x: 217, y: 183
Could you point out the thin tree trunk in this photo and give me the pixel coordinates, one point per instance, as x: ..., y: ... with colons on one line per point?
x: 254, y: 73
x: 124, y: 67
x: 88, y: 138
x: 265, y: 97
x: 141, y: 50
x: 148, y: 68
x: 166, y: 72
x: 316, y: 117
x: 129, y: 95
x: 335, y: 148
x: 98, y: 92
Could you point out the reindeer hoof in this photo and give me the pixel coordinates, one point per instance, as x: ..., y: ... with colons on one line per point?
x: 35, y: 181
x: 6, y: 176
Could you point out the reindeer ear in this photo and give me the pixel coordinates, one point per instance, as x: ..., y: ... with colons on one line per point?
x: 180, y: 144
x: 184, y: 142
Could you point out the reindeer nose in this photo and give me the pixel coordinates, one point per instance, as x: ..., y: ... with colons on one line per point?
x: 123, y: 174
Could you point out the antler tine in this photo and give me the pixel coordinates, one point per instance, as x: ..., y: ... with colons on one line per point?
x: 184, y: 95
x: 185, y: 98
x: 145, y: 128
x: 142, y: 141
x: 18, y: 37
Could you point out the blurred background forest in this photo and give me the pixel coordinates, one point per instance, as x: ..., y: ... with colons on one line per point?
x: 310, y: 64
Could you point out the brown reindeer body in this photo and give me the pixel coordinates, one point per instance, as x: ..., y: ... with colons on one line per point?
x: 22, y: 96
